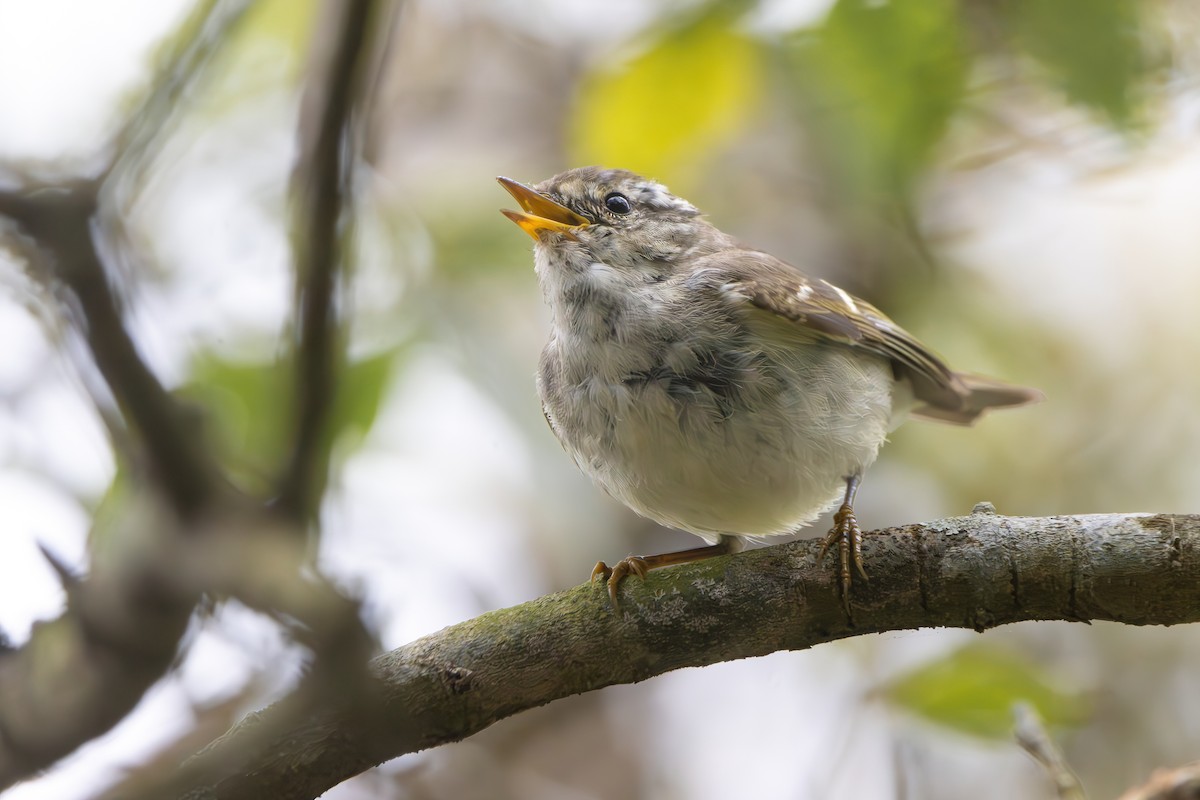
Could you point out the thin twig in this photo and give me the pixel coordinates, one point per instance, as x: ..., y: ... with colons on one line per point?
x: 199, y: 38
x: 1031, y: 735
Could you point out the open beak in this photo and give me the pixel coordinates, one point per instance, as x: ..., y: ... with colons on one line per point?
x: 540, y: 212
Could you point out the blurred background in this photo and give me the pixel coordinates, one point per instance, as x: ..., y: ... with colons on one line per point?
x: 1017, y: 183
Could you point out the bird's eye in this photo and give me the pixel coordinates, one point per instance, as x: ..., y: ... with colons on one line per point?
x: 618, y: 203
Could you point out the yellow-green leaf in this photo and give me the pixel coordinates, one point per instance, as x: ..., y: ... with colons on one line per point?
x: 665, y: 111
x: 973, y: 691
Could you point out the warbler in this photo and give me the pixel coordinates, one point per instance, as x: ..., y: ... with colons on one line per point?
x: 711, y: 387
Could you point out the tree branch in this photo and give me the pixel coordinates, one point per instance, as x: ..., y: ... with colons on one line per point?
x: 1032, y: 736
x: 81, y: 673
x: 321, y: 189
x: 62, y: 220
x: 975, y: 572
x: 59, y: 220
x: 198, y: 39
x: 1181, y: 783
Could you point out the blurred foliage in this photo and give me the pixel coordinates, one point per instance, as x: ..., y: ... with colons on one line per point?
x: 877, y: 83
x: 283, y: 23
x: 667, y: 110
x: 973, y: 690
x: 262, y: 52
x: 484, y: 249
x: 1092, y: 49
x: 246, y: 407
x: 880, y: 82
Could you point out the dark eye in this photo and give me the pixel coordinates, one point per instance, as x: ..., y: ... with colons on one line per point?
x: 618, y: 203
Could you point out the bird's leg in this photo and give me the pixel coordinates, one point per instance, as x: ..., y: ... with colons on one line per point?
x: 848, y: 537
x: 640, y: 565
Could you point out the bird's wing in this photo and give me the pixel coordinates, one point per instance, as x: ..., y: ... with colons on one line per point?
x: 816, y: 310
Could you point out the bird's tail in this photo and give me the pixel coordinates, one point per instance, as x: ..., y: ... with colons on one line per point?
x: 972, y: 395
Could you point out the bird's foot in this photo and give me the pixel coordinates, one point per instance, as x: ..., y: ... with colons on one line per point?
x: 631, y: 565
x: 848, y: 537
x: 640, y: 565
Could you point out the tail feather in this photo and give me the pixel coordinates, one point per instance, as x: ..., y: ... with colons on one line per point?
x: 972, y: 395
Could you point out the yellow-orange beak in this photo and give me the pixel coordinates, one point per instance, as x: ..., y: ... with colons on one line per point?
x: 541, y: 213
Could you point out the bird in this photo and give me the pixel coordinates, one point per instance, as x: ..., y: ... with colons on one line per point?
x: 711, y: 387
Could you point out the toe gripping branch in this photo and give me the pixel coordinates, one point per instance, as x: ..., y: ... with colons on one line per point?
x: 845, y: 533
x: 848, y: 537
x: 640, y: 565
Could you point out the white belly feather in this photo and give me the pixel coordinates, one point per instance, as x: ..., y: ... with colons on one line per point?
x: 762, y: 467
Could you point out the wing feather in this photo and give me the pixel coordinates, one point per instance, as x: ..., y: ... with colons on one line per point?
x: 759, y: 282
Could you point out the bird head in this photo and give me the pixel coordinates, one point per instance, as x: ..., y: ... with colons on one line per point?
x: 610, y: 216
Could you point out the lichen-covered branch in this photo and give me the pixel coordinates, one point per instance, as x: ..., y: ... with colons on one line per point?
x: 976, y: 572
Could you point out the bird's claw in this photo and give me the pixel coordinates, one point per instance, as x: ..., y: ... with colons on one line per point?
x: 848, y: 536
x: 632, y: 565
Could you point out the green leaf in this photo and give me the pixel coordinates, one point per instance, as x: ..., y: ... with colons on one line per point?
x: 243, y: 412
x: 880, y: 81
x: 363, y: 384
x: 668, y: 109
x: 247, y: 408
x: 973, y: 691
x: 1091, y: 48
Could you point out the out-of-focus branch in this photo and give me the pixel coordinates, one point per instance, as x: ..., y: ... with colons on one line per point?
x: 975, y: 572
x: 199, y: 38
x: 81, y: 673
x: 1182, y: 783
x: 321, y: 193
x: 1033, y: 738
x: 60, y: 221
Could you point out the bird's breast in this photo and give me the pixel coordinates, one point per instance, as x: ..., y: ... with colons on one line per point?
x: 707, y: 432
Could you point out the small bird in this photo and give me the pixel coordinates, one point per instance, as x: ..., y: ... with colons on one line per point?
x: 711, y: 387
